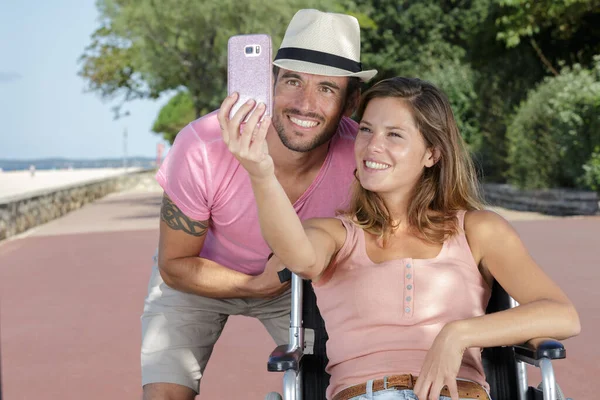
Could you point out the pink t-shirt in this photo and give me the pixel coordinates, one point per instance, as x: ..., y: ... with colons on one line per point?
x: 382, y: 318
x: 206, y: 182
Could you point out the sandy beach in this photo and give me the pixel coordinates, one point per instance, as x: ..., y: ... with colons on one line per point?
x: 17, y: 184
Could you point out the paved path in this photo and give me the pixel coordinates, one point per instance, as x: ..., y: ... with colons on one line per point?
x: 72, y: 293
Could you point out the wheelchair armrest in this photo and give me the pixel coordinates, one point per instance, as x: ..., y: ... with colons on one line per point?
x: 282, y: 359
x: 536, y: 349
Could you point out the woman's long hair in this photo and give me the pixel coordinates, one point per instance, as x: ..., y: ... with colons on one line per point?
x: 448, y: 186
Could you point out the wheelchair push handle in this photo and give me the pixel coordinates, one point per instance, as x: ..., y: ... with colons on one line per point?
x: 284, y: 275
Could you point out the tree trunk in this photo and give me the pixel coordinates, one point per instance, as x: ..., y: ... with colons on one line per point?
x: 546, y: 62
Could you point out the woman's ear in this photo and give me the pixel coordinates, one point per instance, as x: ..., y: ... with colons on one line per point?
x: 432, y: 155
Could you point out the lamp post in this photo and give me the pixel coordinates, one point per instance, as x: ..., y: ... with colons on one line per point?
x: 125, y: 149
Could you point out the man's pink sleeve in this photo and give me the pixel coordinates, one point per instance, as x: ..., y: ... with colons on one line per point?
x: 184, y: 175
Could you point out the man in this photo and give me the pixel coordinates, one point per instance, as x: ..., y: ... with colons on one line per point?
x: 212, y: 260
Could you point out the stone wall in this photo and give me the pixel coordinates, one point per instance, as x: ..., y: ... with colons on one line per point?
x: 22, y: 213
x: 19, y: 214
x: 546, y: 201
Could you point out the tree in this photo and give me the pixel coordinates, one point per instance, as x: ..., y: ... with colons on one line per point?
x: 574, y: 23
x: 411, y: 37
x: 176, y: 114
x: 555, y: 131
x: 525, y: 18
x: 145, y: 48
x: 503, y: 78
x: 518, y: 44
x: 426, y: 39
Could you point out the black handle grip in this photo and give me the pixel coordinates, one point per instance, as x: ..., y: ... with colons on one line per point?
x: 284, y: 275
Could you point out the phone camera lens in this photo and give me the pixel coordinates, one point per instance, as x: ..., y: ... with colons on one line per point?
x: 249, y: 49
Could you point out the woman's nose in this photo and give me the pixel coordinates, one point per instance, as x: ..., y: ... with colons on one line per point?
x: 375, y: 142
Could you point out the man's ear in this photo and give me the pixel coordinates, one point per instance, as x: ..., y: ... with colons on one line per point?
x: 433, y: 156
x: 352, y: 104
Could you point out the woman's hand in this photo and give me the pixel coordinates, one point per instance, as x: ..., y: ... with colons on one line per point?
x: 440, y: 367
x: 249, y: 146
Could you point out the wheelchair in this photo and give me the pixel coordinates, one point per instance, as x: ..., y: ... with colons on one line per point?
x: 305, y: 378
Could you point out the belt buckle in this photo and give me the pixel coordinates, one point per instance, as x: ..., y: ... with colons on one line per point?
x: 385, y: 383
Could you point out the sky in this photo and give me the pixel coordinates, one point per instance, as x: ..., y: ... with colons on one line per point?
x: 45, y: 110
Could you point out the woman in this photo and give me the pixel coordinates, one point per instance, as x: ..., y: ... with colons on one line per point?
x: 403, y: 277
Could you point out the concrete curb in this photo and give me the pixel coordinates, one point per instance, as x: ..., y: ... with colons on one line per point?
x: 559, y: 202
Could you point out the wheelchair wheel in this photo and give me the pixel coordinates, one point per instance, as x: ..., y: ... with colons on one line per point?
x: 273, y: 396
x: 559, y: 393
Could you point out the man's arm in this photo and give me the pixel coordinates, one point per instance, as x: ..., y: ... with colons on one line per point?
x: 181, y: 240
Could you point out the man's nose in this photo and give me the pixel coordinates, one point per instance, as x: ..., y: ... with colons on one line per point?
x: 307, y: 101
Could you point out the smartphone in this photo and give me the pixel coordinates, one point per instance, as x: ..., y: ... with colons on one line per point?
x: 249, y: 70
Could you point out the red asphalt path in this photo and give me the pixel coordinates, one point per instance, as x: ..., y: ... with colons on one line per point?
x: 72, y: 294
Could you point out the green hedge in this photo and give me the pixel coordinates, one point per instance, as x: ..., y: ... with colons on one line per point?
x: 591, y: 175
x: 554, y: 133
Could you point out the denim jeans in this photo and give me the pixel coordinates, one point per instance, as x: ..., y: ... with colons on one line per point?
x: 392, y: 394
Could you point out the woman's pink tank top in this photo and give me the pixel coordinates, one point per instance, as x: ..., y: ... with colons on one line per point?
x: 382, y: 318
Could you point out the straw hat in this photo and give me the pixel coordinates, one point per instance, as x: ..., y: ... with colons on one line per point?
x: 322, y: 43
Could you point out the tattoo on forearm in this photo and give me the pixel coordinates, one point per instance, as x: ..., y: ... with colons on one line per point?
x: 178, y: 221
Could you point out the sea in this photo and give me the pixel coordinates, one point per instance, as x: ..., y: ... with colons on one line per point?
x: 66, y: 163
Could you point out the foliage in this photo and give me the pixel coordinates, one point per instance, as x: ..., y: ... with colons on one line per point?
x: 457, y: 80
x: 144, y: 48
x: 411, y: 37
x: 504, y: 77
x: 489, y: 56
x: 526, y: 18
x: 562, y: 32
x: 426, y: 39
x: 555, y: 130
x: 591, y: 174
x: 176, y: 114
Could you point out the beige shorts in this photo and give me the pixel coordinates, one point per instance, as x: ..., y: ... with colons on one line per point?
x: 179, y: 330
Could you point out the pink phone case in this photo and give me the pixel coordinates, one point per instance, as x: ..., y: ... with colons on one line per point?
x: 249, y: 69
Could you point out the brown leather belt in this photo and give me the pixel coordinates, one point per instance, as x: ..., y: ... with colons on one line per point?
x: 466, y: 389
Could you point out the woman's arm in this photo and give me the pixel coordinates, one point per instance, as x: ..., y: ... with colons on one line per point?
x: 544, y: 310
x: 305, y: 249
x: 281, y: 227
x: 326, y: 236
